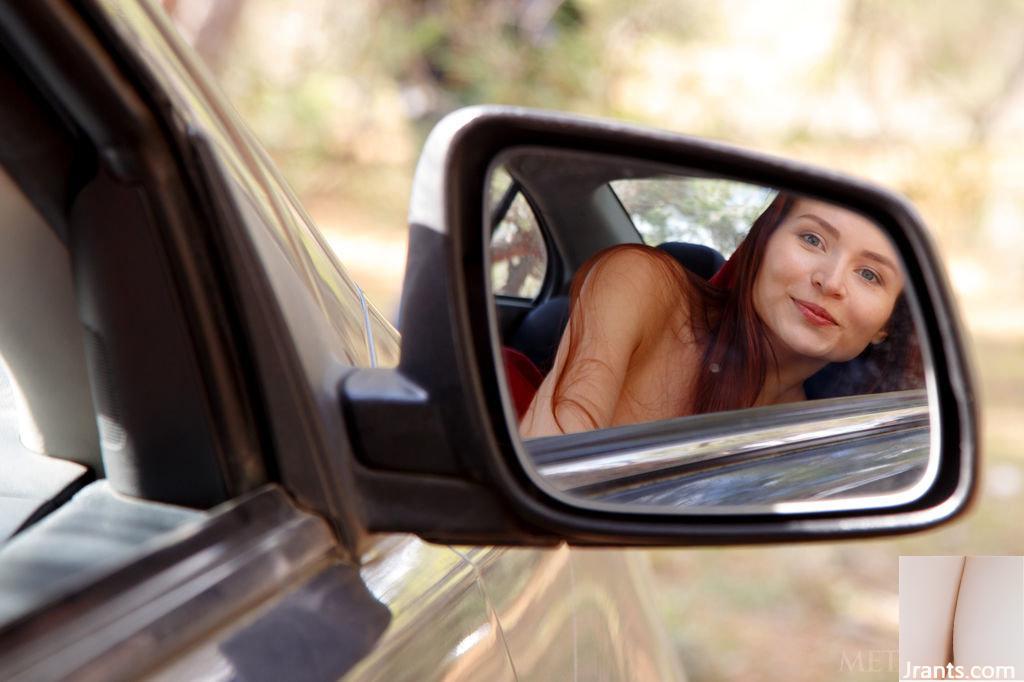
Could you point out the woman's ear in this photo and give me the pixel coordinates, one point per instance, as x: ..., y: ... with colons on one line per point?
x: 879, y: 337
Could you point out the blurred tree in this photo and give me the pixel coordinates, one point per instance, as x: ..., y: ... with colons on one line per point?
x: 919, y: 95
x: 518, y: 254
x: 898, y: 50
x: 528, y: 52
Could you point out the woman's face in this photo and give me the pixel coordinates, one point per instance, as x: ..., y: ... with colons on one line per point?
x: 827, y: 284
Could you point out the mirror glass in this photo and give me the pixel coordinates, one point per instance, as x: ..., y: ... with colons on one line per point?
x: 674, y: 340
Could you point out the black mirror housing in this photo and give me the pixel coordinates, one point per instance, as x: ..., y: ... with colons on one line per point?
x: 436, y: 453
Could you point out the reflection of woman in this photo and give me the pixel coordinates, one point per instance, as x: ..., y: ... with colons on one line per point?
x: 813, y: 289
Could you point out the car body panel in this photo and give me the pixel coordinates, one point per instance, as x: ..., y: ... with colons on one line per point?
x: 531, y: 592
x: 592, y: 597
x: 258, y: 589
x: 616, y: 626
x: 412, y: 611
x: 443, y: 627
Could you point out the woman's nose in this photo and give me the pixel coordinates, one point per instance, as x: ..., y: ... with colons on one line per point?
x: 828, y: 280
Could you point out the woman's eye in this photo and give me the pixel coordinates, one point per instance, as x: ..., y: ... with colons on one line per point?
x: 812, y: 239
x: 869, y: 275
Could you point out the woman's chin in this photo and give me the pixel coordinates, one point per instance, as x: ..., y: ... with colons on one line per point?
x: 811, y: 344
x: 809, y: 350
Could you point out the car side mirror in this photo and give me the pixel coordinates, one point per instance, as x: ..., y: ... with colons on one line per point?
x: 815, y: 386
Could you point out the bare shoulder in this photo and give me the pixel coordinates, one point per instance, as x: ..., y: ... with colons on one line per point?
x: 642, y: 278
x: 633, y: 267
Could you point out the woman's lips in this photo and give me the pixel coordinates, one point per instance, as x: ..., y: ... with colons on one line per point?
x: 815, y: 314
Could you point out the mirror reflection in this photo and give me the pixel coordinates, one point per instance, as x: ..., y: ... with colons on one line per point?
x: 676, y: 339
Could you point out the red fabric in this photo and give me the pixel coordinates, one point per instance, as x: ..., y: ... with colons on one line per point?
x: 523, y: 378
x: 725, y: 277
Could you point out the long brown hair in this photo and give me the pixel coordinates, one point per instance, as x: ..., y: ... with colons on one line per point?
x: 737, y: 348
x: 735, y: 361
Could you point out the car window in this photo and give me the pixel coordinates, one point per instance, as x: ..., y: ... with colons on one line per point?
x: 693, y: 210
x: 385, y: 340
x: 339, y: 295
x: 519, y: 256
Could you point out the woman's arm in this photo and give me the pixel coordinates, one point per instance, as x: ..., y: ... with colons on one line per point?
x: 619, y: 304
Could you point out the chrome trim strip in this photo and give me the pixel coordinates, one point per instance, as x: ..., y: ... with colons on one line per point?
x: 695, y: 447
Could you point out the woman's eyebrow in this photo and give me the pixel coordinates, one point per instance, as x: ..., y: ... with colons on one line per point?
x: 824, y: 223
x: 879, y: 258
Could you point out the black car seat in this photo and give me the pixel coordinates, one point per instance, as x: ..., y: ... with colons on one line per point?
x: 697, y: 258
x: 539, y: 332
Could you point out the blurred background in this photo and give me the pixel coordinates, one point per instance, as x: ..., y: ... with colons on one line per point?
x: 924, y: 97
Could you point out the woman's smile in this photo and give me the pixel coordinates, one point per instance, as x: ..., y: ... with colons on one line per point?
x: 815, y: 314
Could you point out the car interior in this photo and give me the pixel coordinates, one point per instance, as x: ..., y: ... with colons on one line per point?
x: 567, y: 227
x: 60, y: 521
x: 584, y: 216
x: 50, y: 443
x: 590, y: 218
x: 80, y: 401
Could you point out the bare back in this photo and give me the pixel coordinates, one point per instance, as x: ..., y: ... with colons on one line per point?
x: 629, y: 354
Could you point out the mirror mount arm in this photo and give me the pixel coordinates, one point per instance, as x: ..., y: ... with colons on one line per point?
x: 408, y: 475
x: 396, y: 427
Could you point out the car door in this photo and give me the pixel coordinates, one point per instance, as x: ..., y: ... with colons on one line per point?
x: 597, y: 599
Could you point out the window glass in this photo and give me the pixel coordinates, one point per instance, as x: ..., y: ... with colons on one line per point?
x: 385, y: 341
x: 519, y: 256
x: 708, y: 211
x: 338, y: 295
x: 500, y: 182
